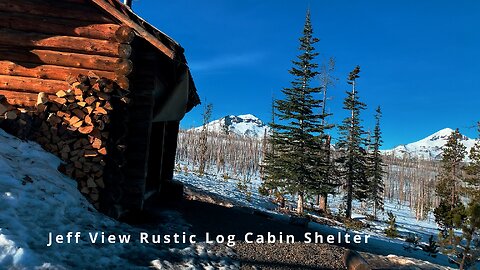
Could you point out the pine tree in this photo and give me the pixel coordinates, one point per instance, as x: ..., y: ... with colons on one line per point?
x: 376, y: 166
x: 272, y: 181
x: 473, y: 170
x: 203, y: 147
x: 431, y: 248
x: 391, y: 231
x: 452, y: 212
x: 351, y: 142
x: 468, y: 245
x: 295, y: 136
x: 448, y: 184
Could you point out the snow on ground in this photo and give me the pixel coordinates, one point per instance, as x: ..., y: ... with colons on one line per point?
x: 228, y: 189
x: 378, y: 242
x: 36, y: 199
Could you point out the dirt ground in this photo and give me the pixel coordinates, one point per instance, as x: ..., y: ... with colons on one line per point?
x: 215, y: 216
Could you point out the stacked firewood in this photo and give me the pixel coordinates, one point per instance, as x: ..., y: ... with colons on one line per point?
x: 14, y: 120
x: 77, y: 126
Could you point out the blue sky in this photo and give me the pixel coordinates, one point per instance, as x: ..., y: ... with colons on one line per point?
x: 419, y: 59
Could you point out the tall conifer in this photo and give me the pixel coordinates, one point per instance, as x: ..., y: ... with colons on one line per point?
x: 473, y: 170
x: 298, y: 133
x: 376, y: 166
x: 351, y: 145
x: 450, y: 210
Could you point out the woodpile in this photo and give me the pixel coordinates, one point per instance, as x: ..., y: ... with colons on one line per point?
x: 84, y: 125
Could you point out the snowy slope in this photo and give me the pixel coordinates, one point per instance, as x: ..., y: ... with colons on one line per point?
x: 243, y: 125
x: 378, y: 242
x: 429, y: 147
x: 36, y: 199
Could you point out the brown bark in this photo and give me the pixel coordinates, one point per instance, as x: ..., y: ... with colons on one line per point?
x: 124, y: 34
x: 64, y: 27
x: 64, y: 43
x: 66, y: 59
x: 322, y: 203
x: 32, y: 85
x: 123, y: 82
x: 138, y: 29
x: 50, y: 71
x: 300, y: 201
x: 20, y: 98
x: 55, y: 9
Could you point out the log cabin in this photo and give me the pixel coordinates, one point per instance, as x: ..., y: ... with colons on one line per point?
x: 46, y: 43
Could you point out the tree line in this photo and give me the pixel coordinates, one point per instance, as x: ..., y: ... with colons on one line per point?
x: 300, y: 160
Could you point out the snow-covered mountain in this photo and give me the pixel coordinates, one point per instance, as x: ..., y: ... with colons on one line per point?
x: 429, y: 147
x: 243, y: 125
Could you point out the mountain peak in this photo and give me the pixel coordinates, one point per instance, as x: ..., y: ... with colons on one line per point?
x: 430, y: 147
x: 443, y: 132
x: 248, y: 116
x: 243, y: 125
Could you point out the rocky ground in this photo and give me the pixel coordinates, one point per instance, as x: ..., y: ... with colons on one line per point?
x: 208, y: 213
x: 289, y: 256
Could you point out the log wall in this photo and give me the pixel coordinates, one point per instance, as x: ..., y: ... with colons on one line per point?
x: 43, y: 45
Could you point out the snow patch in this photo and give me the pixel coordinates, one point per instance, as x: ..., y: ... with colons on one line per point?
x: 36, y: 199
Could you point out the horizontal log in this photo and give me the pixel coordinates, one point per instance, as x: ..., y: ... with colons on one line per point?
x: 56, y: 72
x: 64, y: 27
x: 56, y: 9
x: 32, y: 85
x: 123, y: 82
x: 124, y: 34
x: 95, y: 62
x: 138, y: 29
x: 48, y: 71
x: 64, y: 43
x: 21, y: 99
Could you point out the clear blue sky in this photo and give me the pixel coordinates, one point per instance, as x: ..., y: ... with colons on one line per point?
x: 420, y: 60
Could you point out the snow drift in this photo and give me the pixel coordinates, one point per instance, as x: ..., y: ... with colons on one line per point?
x: 36, y: 199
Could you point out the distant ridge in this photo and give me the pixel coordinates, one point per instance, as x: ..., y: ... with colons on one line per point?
x: 430, y: 147
x: 243, y: 125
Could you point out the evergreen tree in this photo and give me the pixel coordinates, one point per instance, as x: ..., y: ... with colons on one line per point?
x: 451, y: 212
x: 297, y: 135
x: 376, y: 166
x: 431, y: 248
x: 353, y: 156
x: 450, y: 208
x: 468, y: 244
x: 473, y: 170
x: 391, y: 231
x: 203, y: 147
x: 272, y: 182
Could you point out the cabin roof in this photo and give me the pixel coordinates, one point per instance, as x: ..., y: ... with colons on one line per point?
x: 151, y: 34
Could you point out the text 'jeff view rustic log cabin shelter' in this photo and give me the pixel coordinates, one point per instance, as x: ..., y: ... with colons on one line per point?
x: 96, y: 85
